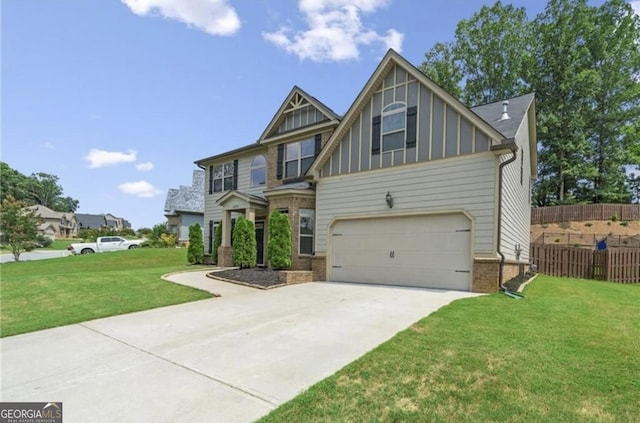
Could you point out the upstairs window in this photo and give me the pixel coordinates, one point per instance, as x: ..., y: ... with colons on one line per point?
x: 298, y: 157
x: 394, y: 122
x: 258, y: 171
x: 224, y: 176
x: 394, y: 129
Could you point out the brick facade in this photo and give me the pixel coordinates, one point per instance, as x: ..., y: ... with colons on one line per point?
x: 225, y: 256
x: 295, y: 277
x: 293, y: 203
x: 319, y: 267
x: 486, y: 273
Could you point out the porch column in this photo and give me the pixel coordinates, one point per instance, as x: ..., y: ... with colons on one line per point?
x: 226, y: 228
x: 250, y: 214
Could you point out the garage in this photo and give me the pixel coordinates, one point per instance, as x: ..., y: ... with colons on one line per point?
x: 427, y: 251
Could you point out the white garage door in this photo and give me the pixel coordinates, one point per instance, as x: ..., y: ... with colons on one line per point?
x: 424, y: 251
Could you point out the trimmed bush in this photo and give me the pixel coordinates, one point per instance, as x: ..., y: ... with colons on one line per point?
x: 195, y: 253
x: 244, y: 243
x: 217, y: 242
x: 279, y: 244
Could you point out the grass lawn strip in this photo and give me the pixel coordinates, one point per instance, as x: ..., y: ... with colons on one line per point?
x: 47, y: 293
x: 567, y: 353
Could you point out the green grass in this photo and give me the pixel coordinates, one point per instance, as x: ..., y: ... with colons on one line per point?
x: 60, y: 244
x: 569, y: 352
x: 42, y: 294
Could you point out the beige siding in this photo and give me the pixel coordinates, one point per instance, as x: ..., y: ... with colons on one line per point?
x: 516, y: 203
x: 464, y: 184
x: 211, y: 209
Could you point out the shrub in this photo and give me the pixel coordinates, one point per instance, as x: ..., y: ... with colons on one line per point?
x: 614, y: 217
x: 168, y: 240
x: 43, y: 241
x: 217, y: 242
x: 244, y: 243
x: 624, y: 223
x: 195, y: 253
x: 279, y: 244
x: 588, y: 224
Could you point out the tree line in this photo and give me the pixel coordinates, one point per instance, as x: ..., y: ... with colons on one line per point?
x: 583, y: 63
x: 37, y: 188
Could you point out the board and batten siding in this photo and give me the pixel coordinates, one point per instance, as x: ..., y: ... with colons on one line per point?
x: 441, y: 132
x: 458, y: 184
x: 516, y: 199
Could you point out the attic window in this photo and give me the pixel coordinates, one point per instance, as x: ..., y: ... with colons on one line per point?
x: 394, y: 122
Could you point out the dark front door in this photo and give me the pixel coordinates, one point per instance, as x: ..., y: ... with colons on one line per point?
x: 260, y: 243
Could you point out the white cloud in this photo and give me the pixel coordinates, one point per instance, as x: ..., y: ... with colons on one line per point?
x: 335, y: 32
x: 215, y: 17
x: 49, y: 146
x: 636, y: 6
x: 144, y: 167
x: 100, y: 158
x: 141, y: 189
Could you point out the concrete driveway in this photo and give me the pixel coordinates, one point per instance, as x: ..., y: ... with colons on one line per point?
x: 227, y: 359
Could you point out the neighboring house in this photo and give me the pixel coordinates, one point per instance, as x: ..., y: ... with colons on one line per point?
x: 185, y: 206
x: 410, y: 187
x: 56, y: 224
x: 99, y: 221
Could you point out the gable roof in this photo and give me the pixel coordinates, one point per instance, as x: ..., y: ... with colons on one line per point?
x: 47, y: 213
x: 187, y: 198
x: 517, y: 111
x: 390, y: 59
x: 297, y: 98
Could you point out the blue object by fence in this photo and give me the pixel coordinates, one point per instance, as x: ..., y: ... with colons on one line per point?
x: 601, y: 245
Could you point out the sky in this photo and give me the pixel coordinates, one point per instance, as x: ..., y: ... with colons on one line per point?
x: 118, y: 98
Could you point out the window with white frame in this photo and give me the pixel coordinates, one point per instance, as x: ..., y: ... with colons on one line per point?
x: 394, y: 122
x: 306, y: 231
x: 223, y: 177
x: 258, y: 171
x: 298, y: 157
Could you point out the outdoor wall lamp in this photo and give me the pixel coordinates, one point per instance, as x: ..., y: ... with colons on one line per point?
x: 389, y: 200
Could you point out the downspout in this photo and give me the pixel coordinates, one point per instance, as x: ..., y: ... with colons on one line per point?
x: 514, y: 150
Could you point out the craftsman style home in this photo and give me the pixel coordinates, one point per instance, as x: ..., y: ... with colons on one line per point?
x: 410, y: 187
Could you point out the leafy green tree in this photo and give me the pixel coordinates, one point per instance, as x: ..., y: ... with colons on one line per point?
x: 491, y: 54
x: 195, y: 252
x: 18, y: 225
x: 217, y: 242
x: 444, y: 68
x: 13, y: 183
x: 66, y: 204
x: 493, y: 49
x: 44, y: 189
x: 279, y: 243
x: 244, y: 243
x: 614, y: 104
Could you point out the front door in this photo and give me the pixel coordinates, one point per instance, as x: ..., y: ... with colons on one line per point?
x: 260, y: 243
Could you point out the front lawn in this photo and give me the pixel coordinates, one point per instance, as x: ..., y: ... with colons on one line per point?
x: 47, y: 293
x: 569, y: 352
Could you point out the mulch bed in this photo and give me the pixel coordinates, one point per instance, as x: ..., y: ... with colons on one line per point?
x: 514, y: 284
x: 257, y: 277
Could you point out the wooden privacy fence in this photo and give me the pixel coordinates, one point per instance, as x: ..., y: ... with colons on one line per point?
x: 581, y: 212
x: 615, y: 264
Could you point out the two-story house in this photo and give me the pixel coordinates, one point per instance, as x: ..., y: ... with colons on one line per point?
x: 410, y: 187
x: 55, y: 224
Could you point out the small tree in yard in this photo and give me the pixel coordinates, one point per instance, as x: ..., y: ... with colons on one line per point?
x: 18, y: 226
x: 279, y: 244
x: 244, y: 243
x: 195, y: 253
x: 217, y: 242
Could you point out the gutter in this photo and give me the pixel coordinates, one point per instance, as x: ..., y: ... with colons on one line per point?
x: 514, y: 149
